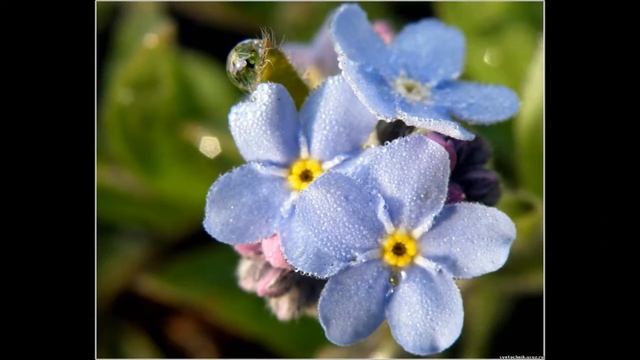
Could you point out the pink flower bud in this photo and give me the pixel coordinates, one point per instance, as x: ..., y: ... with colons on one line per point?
x: 273, y: 253
x: 384, y: 30
x: 249, y: 250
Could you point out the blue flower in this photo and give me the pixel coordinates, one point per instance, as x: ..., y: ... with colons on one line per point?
x: 391, y: 248
x: 414, y: 77
x: 286, y: 152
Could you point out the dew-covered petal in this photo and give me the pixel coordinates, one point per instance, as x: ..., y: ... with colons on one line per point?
x: 429, y: 51
x: 477, y: 103
x: 431, y: 116
x: 244, y: 205
x: 372, y: 88
x: 335, y: 121
x: 352, y: 302
x: 265, y: 126
x: 411, y: 174
x: 469, y: 239
x: 332, y: 222
x: 355, y: 38
x: 425, y: 312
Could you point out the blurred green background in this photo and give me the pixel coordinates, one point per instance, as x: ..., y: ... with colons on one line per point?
x: 165, y: 289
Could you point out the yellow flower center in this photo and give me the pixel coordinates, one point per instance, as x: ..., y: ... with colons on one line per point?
x: 411, y: 89
x: 303, y: 172
x: 399, y: 249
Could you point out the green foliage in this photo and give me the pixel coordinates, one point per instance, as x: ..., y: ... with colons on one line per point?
x: 501, y: 39
x: 191, y: 281
x: 158, y: 102
x: 122, y: 339
x: 529, y: 128
x: 119, y: 259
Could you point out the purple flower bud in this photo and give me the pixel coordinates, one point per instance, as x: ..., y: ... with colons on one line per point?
x: 455, y: 193
x: 470, y: 179
x: 448, y: 144
x: 474, y: 152
x: 478, y: 183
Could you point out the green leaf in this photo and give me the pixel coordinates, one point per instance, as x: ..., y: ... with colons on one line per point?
x: 207, y: 91
x: 158, y: 104
x: 525, y: 209
x: 490, y: 17
x: 501, y: 38
x: 119, y: 258
x: 485, y: 307
x: 528, y: 128
x: 203, y: 280
x: 122, y: 339
x: 134, y: 22
x: 130, y: 206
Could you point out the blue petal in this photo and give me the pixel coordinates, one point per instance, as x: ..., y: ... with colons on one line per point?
x: 431, y: 117
x: 332, y: 223
x: 425, y: 312
x: 244, y: 205
x: 352, y: 302
x: 469, y: 239
x: 355, y: 39
x: 477, y: 103
x: 265, y: 126
x: 429, y: 51
x: 372, y: 88
x: 335, y: 121
x: 411, y: 174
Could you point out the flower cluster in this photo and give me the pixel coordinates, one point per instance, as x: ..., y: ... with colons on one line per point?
x: 374, y: 232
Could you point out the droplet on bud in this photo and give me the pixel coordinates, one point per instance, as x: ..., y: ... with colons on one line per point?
x: 245, y: 62
x: 255, y: 61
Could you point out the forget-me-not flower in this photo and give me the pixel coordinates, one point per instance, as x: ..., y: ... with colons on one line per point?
x: 391, y: 248
x: 286, y: 152
x: 414, y: 77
